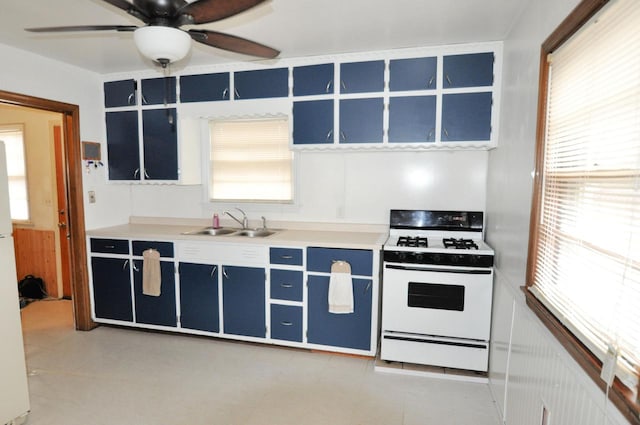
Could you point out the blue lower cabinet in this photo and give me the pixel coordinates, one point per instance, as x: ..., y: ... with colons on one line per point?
x: 152, y: 310
x: 286, y: 322
x: 412, y: 119
x: 111, y: 288
x: 199, y: 297
x: 361, y: 120
x: 286, y: 284
x: 243, y: 296
x: 466, y: 116
x: 351, y: 330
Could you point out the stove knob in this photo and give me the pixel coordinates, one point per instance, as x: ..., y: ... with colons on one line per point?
x: 419, y: 258
x: 437, y: 258
x: 402, y: 256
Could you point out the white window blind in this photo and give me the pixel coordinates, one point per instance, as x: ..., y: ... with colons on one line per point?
x: 13, y: 138
x: 587, y: 269
x: 251, y: 160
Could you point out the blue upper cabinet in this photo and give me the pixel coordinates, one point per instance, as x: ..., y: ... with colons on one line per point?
x: 361, y: 120
x: 204, y: 87
x: 413, y: 74
x: 160, y: 144
x: 362, y: 77
x: 412, y: 119
x: 262, y: 83
x: 158, y: 91
x: 468, y: 70
x: 466, y: 117
x: 122, y: 145
x: 313, y: 79
x: 313, y: 122
x: 120, y: 93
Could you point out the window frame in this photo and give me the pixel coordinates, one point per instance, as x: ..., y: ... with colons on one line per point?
x: 621, y: 396
x: 207, y: 148
x: 20, y: 127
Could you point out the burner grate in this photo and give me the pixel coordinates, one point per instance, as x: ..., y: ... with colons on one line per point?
x: 413, y: 241
x: 459, y: 243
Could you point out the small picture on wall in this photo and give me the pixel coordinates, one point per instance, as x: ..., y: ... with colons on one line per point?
x: 91, y: 151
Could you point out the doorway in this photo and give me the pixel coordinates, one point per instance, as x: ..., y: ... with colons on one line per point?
x: 71, y: 167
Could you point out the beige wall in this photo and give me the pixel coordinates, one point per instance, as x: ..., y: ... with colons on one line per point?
x: 41, y: 173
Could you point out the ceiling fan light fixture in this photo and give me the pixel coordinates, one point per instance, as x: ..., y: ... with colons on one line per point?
x: 162, y: 44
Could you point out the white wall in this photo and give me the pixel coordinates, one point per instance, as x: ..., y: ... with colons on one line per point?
x: 528, y: 367
x: 33, y: 75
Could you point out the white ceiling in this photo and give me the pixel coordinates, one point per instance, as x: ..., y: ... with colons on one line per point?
x: 297, y: 28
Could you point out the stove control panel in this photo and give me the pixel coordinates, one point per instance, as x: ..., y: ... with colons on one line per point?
x: 438, y: 258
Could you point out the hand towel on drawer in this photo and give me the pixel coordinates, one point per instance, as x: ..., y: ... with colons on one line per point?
x: 151, y: 272
x: 340, y: 288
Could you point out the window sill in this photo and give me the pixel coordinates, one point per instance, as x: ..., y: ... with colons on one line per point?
x: 619, y: 395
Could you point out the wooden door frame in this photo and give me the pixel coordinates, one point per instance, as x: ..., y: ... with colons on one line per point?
x: 73, y: 170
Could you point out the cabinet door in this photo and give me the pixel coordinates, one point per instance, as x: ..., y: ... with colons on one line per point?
x: 204, y: 88
x: 158, y: 91
x: 470, y: 70
x: 122, y: 145
x: 466, y: 116
x: 262, y: 83
x: 243, y: 300
x: 413, y: 74
x: 120, y: 93
x: 160, y: 144
x: 361, y: 120
x: 111, y: 282
x: 160, y: 310
x: 199, y: 297
x: 313, y: 79
x: 339, y: 330
x: 362, y: 77
x: 313, y: 122
x: 412, y: 119
x: 321, y: 259
x: 286, y: 322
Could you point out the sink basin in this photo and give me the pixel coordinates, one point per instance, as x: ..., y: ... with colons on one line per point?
x: 212, y: 231
x: 255, y: 233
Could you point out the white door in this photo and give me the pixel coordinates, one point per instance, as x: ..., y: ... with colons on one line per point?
x: 5, y: 213
x: 14, y: 401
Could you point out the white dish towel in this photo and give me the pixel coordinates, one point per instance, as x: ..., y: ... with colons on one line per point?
x: 151, y: 280
x: 340, y: 288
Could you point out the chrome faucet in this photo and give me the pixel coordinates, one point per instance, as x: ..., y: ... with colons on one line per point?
x: 264, y: 222
x: 245, y: 221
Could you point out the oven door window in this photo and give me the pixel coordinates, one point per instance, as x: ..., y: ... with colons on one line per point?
x: 436, y: 296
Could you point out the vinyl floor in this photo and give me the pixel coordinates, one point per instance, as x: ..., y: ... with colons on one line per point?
x: 116, y: 376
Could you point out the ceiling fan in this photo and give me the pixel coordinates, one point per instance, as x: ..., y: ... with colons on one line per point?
x: 162, y: 40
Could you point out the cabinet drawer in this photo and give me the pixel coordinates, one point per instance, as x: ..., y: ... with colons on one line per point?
x: 110, y: 246
x: 165, y: 248
x: 286, y: 322
x: 286, y: 285
x: 291, y: 256
x: 320, y: 259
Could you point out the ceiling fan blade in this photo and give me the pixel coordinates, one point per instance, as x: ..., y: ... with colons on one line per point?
x: 204, y: 11
x: 84, y: 28
x: 233, y: 43
x: 130, y: 8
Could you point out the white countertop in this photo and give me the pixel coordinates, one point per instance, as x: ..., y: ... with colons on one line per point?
x: 331, y: 237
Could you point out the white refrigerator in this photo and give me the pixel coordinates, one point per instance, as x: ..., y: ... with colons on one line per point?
x: 14, y: 399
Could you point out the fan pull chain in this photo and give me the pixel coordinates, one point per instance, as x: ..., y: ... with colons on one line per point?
x: 167, y: 86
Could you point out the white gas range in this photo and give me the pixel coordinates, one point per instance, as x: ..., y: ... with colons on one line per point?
x: 437, y: 289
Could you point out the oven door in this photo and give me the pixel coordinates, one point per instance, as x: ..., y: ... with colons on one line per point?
x: 437, y: 300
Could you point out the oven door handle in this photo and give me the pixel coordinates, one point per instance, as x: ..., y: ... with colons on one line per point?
x: 430, y: 269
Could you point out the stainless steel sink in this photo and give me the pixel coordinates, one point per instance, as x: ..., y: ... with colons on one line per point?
x: 255, y: 233
x: 249, y: 233
x: 212, y: 231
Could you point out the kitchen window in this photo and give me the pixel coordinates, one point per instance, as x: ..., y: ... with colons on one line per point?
x: 250, y: 160
x: 584, y: 258
x: 13, y: 138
